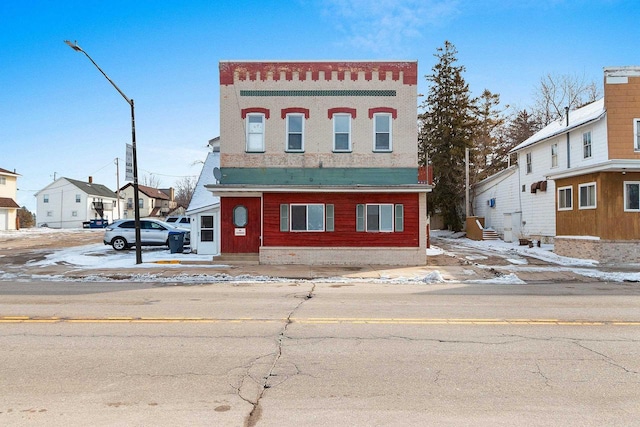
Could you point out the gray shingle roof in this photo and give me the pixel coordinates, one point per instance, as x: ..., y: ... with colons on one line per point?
x: 93, y: 189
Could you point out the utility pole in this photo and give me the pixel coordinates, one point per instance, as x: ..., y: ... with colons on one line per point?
x: 117, y: 187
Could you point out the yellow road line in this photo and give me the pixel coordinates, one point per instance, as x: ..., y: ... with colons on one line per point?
x: 321, y: 321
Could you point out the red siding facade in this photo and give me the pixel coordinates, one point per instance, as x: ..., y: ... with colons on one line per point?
x: 249, y: 242
x: 345, y: 234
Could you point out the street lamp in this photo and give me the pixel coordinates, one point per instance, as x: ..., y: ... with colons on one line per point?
x: 136, y: 202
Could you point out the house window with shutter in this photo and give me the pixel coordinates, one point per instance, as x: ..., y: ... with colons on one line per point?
x: 385, y: 218
x: 306, y: 217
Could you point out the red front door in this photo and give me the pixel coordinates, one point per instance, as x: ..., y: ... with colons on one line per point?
x: 240, y: 224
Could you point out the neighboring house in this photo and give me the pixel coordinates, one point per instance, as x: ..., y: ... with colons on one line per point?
x: 319, y: 163
x: 154, y: 202
x: 579, y: 178
x: 68, y: 203
x: 8, y: 195
x: 204, y: 209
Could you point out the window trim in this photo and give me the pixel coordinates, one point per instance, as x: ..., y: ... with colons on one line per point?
x: 595, y: 195
x: 624, y: 201
x: 3, y: 180
x: 554, y: 156
x: 636, y: 134
x: 45, y: 198
x: 529, y: 162
x: 562, y: 189
x: 587, y: 145
x: 396, y: 220
x: 306, y: 205
x: 349, y: 148
x: 390, y: 132
x: 287, y: 148
x: 248, y: 132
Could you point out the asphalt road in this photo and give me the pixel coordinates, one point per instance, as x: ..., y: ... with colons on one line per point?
x: 305, y: 354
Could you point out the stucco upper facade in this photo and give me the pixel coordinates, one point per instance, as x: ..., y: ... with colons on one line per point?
x: 318, y: 90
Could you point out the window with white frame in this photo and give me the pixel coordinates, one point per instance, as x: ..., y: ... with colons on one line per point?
x: 529, y: 164
x: 587, y: 196
x: 255, y: 133
x: 554, y: 155
x: 78, y: 198
x: 45, y: 198
x: 130, y: 203
x: 382, y: 132
x: 636, y: 134
x: 632, y: 196
x: 49, y: 213
x: 74, y: 213
x: 141, y: 203
x: 385, y: 217
x: 565, y: 198
x: 586, y: 145
x: 307, y: 217
x: 295, y: 132
x: 3, y: 180
x: 342, y: 132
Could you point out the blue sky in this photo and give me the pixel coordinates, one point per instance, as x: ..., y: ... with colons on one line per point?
x: 59, y: 115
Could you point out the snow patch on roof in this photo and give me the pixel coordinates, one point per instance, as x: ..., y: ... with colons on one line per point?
x: 579, y: 117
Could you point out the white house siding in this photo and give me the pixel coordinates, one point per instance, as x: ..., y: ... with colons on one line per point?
x: 58, y: 212
x: 503, y: 188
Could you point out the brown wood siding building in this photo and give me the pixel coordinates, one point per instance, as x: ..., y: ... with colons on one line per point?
x: 622, y: 102
x: 608, y: 220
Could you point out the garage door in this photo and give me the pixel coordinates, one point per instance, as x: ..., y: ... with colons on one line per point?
x: 3, y: 219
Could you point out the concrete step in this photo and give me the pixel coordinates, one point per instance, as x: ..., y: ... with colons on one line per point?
x: 246, y: 259
x: 488, y: 234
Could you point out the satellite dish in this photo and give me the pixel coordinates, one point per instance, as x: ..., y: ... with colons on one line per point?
x: 217, y: 174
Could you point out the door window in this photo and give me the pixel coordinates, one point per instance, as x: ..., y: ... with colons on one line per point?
x: 240, y: 216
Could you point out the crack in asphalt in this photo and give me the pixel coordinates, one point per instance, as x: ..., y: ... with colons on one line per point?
x: 256, y: 412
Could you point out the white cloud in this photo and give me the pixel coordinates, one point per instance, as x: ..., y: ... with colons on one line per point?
x: 385, y: 26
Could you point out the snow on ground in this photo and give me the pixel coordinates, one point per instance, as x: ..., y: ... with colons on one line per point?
x: 99, y: 256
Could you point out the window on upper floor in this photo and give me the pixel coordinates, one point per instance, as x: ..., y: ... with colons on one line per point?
x: 636, y: 134
x: 130, y: 203
x: 586, y: 145
x: 565, y: 198
x: 78, y: 198
x: 45, y: 198
x: 3, y: 180
x: 382, y: 132
x: 255, y: 133
x: 529, y: 164
x: 554, y: 155
x: 587, y: 196
x: 295, y: 132
x: 632, y: 196
x: 141, y: 203
x: 342, y: 132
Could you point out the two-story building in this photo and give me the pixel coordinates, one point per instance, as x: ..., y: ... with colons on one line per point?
x: 577, y: 181
x: 8, y: 195
x: 318, y: 163
x: 153, y: 202
x: 69, y: 203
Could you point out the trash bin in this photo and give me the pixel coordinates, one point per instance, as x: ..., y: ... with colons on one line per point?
x: 176, y: 241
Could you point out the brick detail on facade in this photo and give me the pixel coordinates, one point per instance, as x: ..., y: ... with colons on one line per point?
x: 246, y: 111
x: 298, y: 110
x: 345, y: 110
x: 407, y: 72
x: 392, y: 111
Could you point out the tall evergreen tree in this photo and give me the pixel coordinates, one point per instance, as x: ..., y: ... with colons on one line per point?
x: 489, y: 153
x: 446, y: 131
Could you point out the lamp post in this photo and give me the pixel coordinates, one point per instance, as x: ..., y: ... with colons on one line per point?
x: 136, y: 202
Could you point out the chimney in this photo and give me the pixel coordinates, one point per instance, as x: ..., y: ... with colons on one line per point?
x: 90, y: 180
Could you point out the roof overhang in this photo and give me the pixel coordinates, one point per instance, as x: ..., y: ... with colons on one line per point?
x: 608, y: 166
x: 242, y: 189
